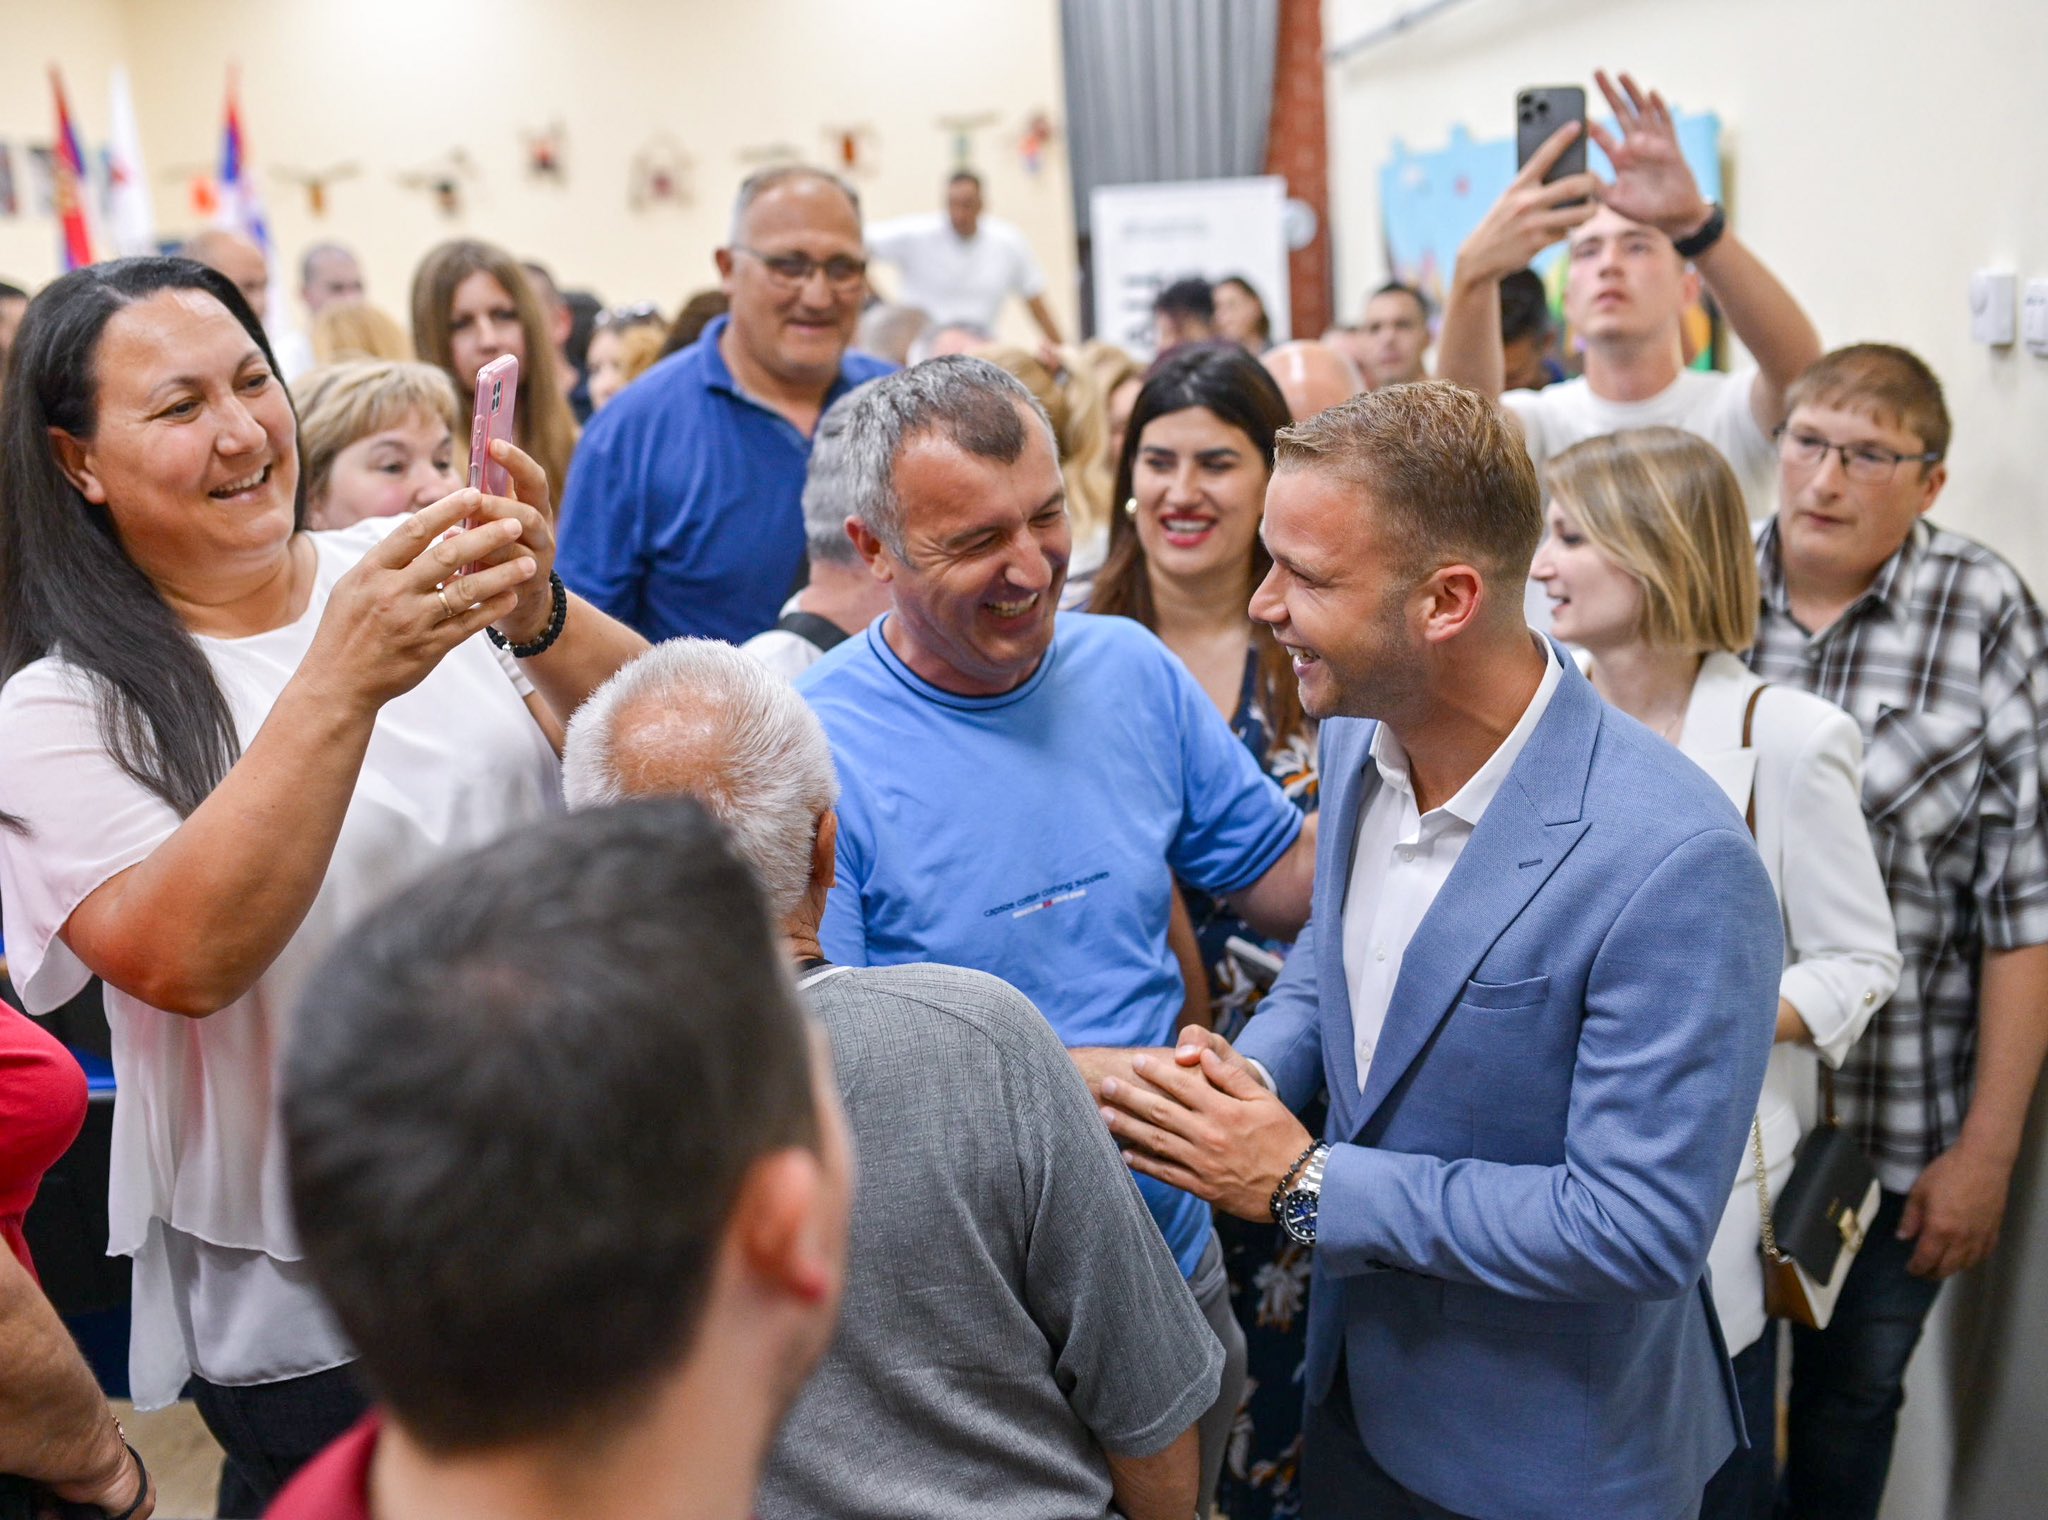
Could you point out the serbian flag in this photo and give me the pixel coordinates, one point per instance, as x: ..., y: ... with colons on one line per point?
x: 240, y: 206
x: 68, y: 165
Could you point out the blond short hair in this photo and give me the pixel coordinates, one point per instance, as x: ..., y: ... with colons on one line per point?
x: 1664, y: 506
x: 1448, y: 473
x: 340, y: 403
x: 346, y: 330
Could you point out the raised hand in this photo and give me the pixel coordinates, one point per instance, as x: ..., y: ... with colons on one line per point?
x: 1652, y: 183
x: 1530, y: 215
x: 414, y: 597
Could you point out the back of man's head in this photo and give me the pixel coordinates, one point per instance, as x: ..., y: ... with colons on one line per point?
x: 975, y: 405
x: 1312, y: 376
x: 1189, y: 300
x: 1446, y: 472
x: 829, y: 487
x: 1524, y: 306
x: 522, y: 1102
x: 703, y: 719
x: 1892, y: 386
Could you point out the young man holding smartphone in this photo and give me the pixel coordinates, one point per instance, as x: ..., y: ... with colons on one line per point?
x: 1640, y: 248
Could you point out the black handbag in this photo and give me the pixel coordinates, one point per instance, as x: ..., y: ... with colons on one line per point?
x: 1823, y: 1215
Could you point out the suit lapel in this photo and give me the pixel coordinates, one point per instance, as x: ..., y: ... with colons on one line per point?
x: 1335, y: 846
x: 1532, y: 824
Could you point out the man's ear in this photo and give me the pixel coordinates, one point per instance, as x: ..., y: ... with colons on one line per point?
x: 781, y: 1226
x: 825, y: 853
x: 1931, y: 484
x: 74, y: 458
x: 1452, y: 599
x: 723, y: 258
x: 871, y: 550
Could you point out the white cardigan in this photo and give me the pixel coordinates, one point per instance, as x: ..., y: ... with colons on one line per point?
x: 1804, y: 769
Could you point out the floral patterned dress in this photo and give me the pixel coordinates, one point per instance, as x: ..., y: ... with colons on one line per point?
x: 1268, y: 1272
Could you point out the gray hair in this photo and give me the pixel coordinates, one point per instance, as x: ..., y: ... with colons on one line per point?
x: 772, y: 778
x: 828, y: 487
x: 761, y: 181
x: 969, y: 401
x: 318, y: 252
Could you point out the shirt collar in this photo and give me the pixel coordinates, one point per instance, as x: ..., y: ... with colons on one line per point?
x: 1468, y: 805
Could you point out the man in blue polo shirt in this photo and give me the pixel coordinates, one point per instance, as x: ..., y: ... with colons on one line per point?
x: 681, y: 514
x: 1018, y: 791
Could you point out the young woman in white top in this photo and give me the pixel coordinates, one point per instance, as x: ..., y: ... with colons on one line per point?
x: 227, y: 738
x: 1650, y: 570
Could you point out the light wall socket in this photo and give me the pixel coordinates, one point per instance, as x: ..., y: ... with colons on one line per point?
x: 1991, y: 306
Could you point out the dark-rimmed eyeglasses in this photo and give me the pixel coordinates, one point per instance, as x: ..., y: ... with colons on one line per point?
x: 842, y: 271
x: 1866, y: 463
x: 613, y: 317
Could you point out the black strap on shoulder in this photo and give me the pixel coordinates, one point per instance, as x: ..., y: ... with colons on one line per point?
x: 808, y: 625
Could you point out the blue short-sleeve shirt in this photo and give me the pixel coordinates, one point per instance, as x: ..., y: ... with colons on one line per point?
x: 1036, y: 835
x: 683, y: 513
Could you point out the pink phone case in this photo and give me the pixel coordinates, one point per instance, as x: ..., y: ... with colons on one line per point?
x: 497, y: 391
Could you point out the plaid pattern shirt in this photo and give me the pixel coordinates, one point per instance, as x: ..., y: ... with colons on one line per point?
x: 1943, y: 663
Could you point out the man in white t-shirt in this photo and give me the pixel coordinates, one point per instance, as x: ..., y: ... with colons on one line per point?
x: 961, y: 266
x: 1639, y: 250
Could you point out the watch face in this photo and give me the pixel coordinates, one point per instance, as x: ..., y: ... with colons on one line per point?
x: 1298, y: 1215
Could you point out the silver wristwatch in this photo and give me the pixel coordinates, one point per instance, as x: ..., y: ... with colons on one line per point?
x: 1299, y: 1203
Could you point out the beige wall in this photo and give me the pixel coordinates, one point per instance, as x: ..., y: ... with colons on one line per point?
x: 1878, y: 151
x: 394, y: 84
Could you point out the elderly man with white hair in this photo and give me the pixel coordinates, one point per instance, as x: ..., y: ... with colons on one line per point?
x: 1015, y: 1339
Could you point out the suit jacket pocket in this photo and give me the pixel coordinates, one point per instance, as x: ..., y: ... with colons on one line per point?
x: 1502, y: 996
x: 1470, y: 1304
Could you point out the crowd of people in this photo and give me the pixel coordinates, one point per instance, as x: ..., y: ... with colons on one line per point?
x: 904, y: 926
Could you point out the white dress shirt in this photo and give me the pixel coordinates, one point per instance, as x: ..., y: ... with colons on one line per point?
x: 1402, y: 859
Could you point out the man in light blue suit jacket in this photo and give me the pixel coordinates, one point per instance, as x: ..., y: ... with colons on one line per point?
x: 1565, y: 956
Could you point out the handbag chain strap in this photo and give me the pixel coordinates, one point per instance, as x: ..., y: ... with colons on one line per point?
x: 1756, y: 1126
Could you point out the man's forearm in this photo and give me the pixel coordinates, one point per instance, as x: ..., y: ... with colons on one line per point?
x: 1277, y: 904
x: 1042, y: 315
x: 1159, y: 1487
x: 1763, y: 314
x: 55, y: 1427
x: 1468, y: 347
x: 2012, y: 1039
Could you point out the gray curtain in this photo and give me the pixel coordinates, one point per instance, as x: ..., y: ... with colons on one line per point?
x: 1166, y: 90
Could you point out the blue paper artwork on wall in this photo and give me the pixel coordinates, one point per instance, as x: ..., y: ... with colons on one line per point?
x: 1431, y: 201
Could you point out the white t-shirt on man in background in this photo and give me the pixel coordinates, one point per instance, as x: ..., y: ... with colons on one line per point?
x: 953, y: 279
x: 1707, y: 403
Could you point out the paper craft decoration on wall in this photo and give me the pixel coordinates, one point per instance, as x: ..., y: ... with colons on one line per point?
x: 444, y: 180
x: 660, y: 174
x: 963, y: 129
x: 545, y: 153
x: 849, y: 148
x: 1032, y: 142
x: 315, y: 182
x: 1430, y: 202
x: 42, y: 178
x: 10, y: 204
x: 761, y: 155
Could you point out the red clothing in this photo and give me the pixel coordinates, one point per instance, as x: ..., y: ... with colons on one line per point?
x: 336, y: 1484
x: 42, y: 1107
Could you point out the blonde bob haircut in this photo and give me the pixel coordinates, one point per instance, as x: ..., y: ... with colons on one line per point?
x: 341, y: 403
x: 347, y: 330
x: 1665, y: 507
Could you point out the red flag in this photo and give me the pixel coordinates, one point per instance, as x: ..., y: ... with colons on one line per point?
x: 68, y: 162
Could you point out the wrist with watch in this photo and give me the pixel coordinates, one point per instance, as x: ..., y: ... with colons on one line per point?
x: 1299, y: 1196
x: 1705, y: 236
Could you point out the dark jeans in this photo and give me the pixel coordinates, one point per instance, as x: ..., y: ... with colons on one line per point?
x: 270, y: 1430
x: 1848, y: 1381
x: 1746, y: 1485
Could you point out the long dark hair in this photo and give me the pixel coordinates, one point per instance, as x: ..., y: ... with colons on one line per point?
x: 1235, y: 387
x: 67, y: 586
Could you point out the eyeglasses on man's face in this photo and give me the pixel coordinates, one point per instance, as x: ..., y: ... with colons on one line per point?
x: 791, y: 270
x: 1867, y: 464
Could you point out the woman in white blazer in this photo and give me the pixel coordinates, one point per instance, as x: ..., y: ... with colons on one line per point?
x: 1651, y: 572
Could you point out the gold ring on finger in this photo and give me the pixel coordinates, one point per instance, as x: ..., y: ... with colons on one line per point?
x: 447, y: 607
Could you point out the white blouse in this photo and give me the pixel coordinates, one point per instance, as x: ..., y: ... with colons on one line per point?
x: 198, y: 1192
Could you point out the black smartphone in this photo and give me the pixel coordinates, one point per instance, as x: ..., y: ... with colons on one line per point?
x: 1540, y: 111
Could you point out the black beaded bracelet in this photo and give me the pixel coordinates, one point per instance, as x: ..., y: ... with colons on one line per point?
x: 141, y: 1480
x: 553, y: 631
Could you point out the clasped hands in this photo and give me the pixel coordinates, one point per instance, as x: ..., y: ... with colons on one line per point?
x: 1196, y: 1116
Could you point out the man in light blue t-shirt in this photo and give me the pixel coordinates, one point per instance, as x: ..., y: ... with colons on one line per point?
x: 1019, y: 789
